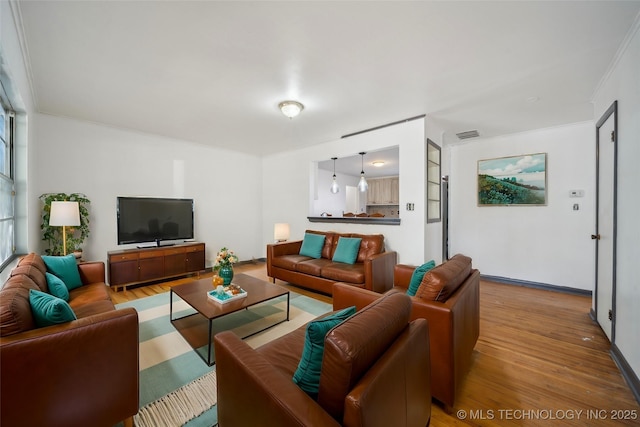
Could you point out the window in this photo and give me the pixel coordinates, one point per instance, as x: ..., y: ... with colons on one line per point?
x: 433, y: 182
x: 7, y: 194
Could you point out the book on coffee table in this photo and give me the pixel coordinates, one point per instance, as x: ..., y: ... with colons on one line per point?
x: 227, y: 296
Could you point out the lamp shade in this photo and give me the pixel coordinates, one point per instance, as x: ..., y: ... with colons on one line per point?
x: 281, y: 232
x: 64, y: 213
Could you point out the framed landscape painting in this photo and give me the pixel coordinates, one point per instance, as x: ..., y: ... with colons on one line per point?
x: 516, y: 180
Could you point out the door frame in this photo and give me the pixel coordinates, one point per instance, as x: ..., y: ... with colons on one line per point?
x: 612, y: 110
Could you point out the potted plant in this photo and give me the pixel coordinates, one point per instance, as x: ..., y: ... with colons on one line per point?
x: 75, y: 235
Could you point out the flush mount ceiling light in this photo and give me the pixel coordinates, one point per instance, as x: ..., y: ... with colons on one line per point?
x: 290, y: 108
x: 334, y: 184
x: 362, y: 185
x: 378, y: 163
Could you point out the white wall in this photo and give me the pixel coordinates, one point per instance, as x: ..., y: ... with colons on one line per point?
x: 292, y: 204
x: 544, y: 244
x: 623, y: 85
x: 102, y: 162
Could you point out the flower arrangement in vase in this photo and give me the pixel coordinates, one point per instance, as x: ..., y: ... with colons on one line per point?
x: 224, y: 264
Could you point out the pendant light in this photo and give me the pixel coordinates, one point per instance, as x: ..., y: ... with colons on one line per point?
x: 335, y: 188
x: 362, y: 185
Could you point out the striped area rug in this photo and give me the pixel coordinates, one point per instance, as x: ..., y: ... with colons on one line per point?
x: 176, y: 387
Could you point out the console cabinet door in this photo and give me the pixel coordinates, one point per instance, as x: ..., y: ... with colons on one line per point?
x: 123, y: 268
x: 123, y: 272
x: 150, y: 266
x: 174, y: 261
x: 195, y: 258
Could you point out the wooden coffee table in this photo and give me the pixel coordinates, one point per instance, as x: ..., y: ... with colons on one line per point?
x: 197, y: 328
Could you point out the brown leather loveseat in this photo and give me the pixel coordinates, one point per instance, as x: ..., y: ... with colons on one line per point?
x: 373, y: 268
x: 79, y: 373
x: 375, y: 372
x: 454, y: 317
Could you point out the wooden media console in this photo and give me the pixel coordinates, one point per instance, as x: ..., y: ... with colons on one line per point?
x: 136, y: 266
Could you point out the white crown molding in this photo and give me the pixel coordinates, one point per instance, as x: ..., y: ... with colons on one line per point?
x: 16, y: 13
x: 622, y: 49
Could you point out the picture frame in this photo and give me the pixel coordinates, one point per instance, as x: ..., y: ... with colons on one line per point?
x: 513, y: 181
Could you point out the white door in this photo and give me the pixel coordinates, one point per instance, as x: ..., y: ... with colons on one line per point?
x: 352, y: 203
x: 605, y: 225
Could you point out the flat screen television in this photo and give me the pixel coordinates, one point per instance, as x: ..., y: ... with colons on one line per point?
x: 153, y: 219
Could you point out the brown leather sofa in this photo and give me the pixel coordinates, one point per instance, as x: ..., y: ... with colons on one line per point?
x: 454, y: 323
x: 80, y: 373
x: 372, y: 270
x: 375, y: 372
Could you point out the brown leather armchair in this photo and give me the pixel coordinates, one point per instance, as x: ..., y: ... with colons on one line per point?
x: 454, y: 324
x: 375, y: 372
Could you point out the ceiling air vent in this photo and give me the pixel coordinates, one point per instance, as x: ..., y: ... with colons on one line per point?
x: 468, y: 134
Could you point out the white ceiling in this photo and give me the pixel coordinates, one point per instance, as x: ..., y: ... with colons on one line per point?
x: 214, y: 72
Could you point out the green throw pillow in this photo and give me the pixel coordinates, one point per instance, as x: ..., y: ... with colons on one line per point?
x: 416, y: 277
x: 307, y: 376
x: 66, y: 268
x: 49, y: 310
x: 312, y: 245
x: 347, y: 250
x: 57, y: 288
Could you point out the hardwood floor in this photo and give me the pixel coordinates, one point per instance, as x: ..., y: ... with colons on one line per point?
x: 540, y: 360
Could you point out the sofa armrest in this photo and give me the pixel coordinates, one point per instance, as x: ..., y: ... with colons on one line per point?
x: 346, y: 295
x: 92, y: 272
x: 279, y: 249
x: 402, y: 275
x: 89, y: 365
x: 284, y: 248
x: 378, y: 271
x: 252, y: 392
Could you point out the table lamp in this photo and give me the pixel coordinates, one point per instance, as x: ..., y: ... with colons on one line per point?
x: 281, y: 232
x: 64, y: 214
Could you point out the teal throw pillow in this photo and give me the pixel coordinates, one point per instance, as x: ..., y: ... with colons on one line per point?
x: 49, y: 310
x: 416, y: 277
x: 307, y: 376
x: 312, y: 245
x: 347, y: 250
x: 66, y: 268
x: 57, y: 288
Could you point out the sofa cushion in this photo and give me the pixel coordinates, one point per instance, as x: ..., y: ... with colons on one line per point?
x: 87, y: 294
x: 443, y: 280
x: 340, y: 272
x: 49, y: 310
x: 313, y: 266
x: 288, y: 262
x: 91, y: 308
x: 417, y: 275
x: 66, y: 268
x: 347, y: 250
x: 372, y: 244
x: 330, y: 239
x: 34, y: 273
x: 57, y: 288
x: 307, y: 376
x: 354, y: 346
x: 35, y: 260
x: 15, y: 310
x: 312, y: 245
